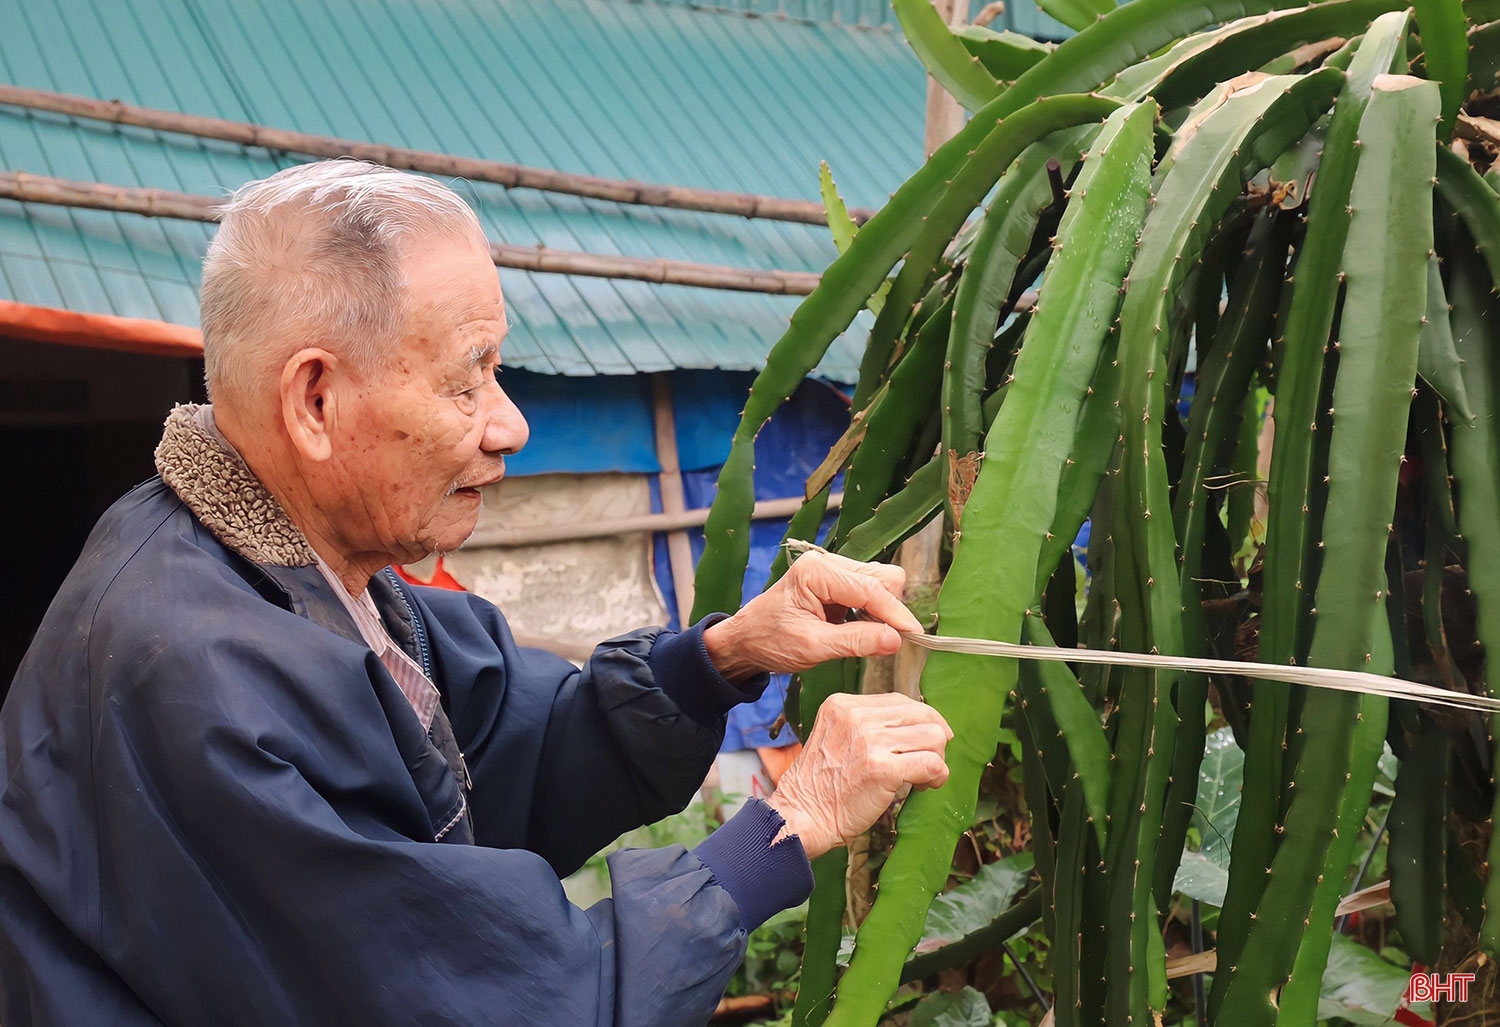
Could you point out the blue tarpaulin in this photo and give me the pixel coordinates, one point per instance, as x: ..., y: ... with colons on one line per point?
x: 583, y: 425
x: 787, y: 450
x: 605, y: 424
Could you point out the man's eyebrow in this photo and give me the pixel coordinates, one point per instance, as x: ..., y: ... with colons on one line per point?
x: 479, y: 354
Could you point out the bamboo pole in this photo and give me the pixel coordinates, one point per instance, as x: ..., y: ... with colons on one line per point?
x: 543, y: 534
x: 161, y: 203
x: 673, y: 501
x: 511, y: 176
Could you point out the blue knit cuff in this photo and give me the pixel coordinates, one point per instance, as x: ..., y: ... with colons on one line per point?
x: 763, y: 879
x: 681, y: 668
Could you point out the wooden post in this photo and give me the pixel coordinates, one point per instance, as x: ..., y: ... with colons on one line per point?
x: 679, y: 550
x: 918, y: 554
x: 944, y: 115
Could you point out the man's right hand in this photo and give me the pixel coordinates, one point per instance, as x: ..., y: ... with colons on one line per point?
x: 863, y: 752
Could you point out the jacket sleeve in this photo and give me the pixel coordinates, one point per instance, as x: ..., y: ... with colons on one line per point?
x: 624, y: 741
x: 258, y: 867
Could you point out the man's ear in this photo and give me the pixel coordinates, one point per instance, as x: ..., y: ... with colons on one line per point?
x: 309, y: 409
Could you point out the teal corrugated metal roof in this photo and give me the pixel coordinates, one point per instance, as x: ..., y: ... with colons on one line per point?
x: 655, y: 91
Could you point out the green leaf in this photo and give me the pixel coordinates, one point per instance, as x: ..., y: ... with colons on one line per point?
x: 839, y: 222
x: 824, y: 932
x: 1418, y: 854
x: 1475, y: 452
x: 944, y: 55
x: 1484, y: 48
x: 1256, y: 40
x: 1214, y: 155
x: 842, y: 226
x: 1007, y: 55
x: 967, y: 1008
x: 1076, y: 14
x: 975, y: 903
x: 1438, y: 361
x: 1077, y: 722
x: 1204, y: 874
x: 1000, y: 245
x: 1445, y: 49
x: 1305, y: 327
x: 1199, y: 877
x: 941, y: 194
x: 991, y: 582
x: 1220, y: 777
x: 1361, y: 988
x: 1385, y: 259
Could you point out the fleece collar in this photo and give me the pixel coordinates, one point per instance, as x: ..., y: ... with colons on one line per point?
x: 212, y: 480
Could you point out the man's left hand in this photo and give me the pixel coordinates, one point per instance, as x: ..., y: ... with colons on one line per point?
x: 799, y: 623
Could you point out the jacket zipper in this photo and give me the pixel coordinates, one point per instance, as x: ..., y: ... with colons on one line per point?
x: 422, y: 650
x: 416, y: 621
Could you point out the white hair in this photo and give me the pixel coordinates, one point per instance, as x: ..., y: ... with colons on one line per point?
x: 312, y: 257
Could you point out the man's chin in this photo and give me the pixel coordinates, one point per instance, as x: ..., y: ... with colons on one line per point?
x: 453, y: 536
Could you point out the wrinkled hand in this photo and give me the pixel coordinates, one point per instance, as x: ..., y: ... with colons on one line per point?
x: 863, y: 752
x: 798, y: 622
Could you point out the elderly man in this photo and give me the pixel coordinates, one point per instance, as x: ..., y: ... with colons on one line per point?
x: 249, y: 776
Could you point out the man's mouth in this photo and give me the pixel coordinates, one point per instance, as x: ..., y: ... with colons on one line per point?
x: 476, y: 489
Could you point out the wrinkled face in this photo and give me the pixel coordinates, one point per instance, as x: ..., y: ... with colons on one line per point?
x: 426, y: 432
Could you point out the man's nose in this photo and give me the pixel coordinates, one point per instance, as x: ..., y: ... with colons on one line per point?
x: 506, y: 431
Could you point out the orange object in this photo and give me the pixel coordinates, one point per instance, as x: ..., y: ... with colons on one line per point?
x: 100, y: 331
x: 440, y: 578
x: 777, y: 759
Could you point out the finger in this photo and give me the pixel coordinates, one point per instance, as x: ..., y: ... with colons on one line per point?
x: 925, y: 769
x: 929, y: 737
x: 835, y: 614
x: 874, y: 700
x: 910, y: 711
x: 892, y: 577
x: 918, y: 769
x: 859, y: 638
x: 861, y: 591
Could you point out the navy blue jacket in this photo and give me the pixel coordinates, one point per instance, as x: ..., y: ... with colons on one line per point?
x: 216, y: 807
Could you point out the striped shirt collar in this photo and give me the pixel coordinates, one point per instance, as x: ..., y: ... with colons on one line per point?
x: 414, y: 684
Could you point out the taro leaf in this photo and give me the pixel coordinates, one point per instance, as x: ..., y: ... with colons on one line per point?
x: 1385, y: 774
x: 1220, y: 776
x: 1199, y: 877
x: 1362, y: 989
x: 967, y: 1008
x: 1204, y: 875
x: 975, y: 903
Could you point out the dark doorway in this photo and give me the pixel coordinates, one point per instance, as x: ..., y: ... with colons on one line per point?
x: 77, y: 430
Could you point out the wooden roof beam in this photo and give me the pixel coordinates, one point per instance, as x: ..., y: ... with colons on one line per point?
x: 161, y: 203
x: 511, y: 176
